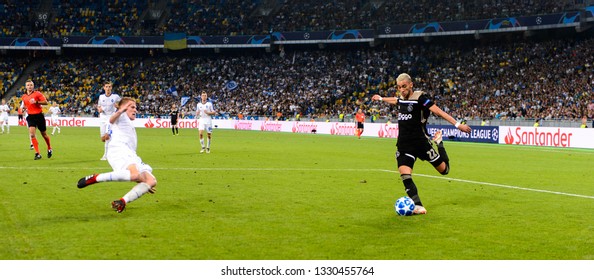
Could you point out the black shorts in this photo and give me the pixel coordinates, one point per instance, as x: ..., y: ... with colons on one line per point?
x: 359, y: 125
x: 174, y: 121
x: 37, y: 120
x: 407, y: 154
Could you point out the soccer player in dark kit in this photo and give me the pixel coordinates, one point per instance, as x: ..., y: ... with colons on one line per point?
x: 414, y: 108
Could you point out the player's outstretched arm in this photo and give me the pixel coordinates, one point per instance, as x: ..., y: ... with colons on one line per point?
x: 389, y: 100
x: 439, y: 112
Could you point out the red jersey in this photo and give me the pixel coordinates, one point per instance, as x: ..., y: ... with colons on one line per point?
x: 360, y: 117
x: 33, y: 108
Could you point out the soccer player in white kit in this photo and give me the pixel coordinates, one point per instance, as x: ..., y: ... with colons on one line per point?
x: 121, y: 155
x: 106, y: 107
x: 205, y: 110
x: 55, y: 112
x: 4, y: 109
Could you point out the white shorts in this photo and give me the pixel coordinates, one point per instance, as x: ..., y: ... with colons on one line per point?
x: 103, y: 125
x: 4, y: 118
x: 120, y: 158
x: 205, y: 126
x: 55, y: 120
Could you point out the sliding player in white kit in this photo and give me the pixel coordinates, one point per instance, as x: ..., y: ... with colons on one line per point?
x: 4, y: 109
x: 121, y: 155
x: 106, y: 108
x: 205, y: 110
x: 55, y: 112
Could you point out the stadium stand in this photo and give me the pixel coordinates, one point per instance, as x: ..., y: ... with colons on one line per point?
x: 96, y: 17
x: 506, y: 78
x: 235, y: 17
x: 10, y: 69
x: 16, y: 18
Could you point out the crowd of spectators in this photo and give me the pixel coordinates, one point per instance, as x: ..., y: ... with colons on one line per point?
x: 422, y: 11
x: 543, y: 80
x: 96, y: 17
x: 229, y: 17
x: 525, y: 79
x: 16, y: 18
x: 75, y: 83
x: 308, y: 15
x: 255, y: 17
x: 11, y: 69
x: 514, y: 79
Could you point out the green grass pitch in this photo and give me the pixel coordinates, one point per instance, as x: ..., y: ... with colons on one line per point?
x: 284, y: 196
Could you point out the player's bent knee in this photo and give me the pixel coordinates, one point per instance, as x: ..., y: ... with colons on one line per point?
x: 148, y: 178
x: 445, y: 171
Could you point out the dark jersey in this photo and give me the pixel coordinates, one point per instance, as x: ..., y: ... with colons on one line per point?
x: 412, y: 119
x: 173, y: 115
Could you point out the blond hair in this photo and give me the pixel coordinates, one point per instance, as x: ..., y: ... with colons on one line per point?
x: 404, y: 77
x: 124, y: 100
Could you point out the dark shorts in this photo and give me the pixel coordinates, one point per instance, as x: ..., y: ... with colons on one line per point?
x: 407, y: 154
x: 174, y: 121
x: 359, y: 125
x: 37, y: 120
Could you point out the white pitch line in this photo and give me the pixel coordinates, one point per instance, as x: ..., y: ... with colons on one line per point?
x: 199, y: 168
x: 498, y: 185
x: 312, y: 169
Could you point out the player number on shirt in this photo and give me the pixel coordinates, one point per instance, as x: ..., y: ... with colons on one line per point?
x: 432, y: 154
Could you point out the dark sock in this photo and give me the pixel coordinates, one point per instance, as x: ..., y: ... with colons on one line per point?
x: 444, y: 156
x: 411, y: 188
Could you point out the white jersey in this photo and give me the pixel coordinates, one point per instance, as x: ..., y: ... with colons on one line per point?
x: 123, y: 134
x: 4, y: 109
x: 107, y: 104
x: 202, y: 109
x: 55, y: 111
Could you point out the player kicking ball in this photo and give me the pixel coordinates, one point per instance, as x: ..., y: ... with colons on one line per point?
x: 121, y: 155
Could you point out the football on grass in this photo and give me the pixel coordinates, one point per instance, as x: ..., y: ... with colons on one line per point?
x: 404, y: 206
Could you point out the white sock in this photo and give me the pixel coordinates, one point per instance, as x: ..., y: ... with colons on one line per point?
x: 202, y: 143
x: 121, y: 175
x: 105, y: 150
x: 208, y: 145
x: 54, y: 130
x: 136, y: 192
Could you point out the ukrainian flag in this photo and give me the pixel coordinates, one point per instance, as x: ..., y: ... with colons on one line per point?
x: 175, y: 41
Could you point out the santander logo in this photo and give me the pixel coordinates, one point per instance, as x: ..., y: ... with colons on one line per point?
x: 243, y: 125
x: 343, y: 129
x: 271, y: 126
x: 509, y: 138
x: 388, y: 131
x: 149, y: 124
x: 552, y: 137
x: 304, y: 127
x: 165, y: 123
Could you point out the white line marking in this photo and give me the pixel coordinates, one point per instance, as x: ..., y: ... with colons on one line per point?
x: 200, y: 168
x: 314, y: 169
x: 498, y: 185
